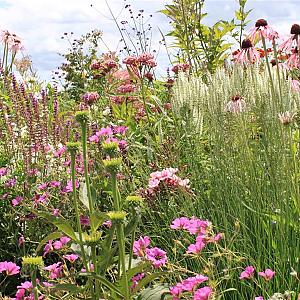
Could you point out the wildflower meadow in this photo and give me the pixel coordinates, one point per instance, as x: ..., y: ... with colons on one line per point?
x: 120, y: 182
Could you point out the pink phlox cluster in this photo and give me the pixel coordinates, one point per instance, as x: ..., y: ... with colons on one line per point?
x: 9, y: 268
x: 55, y: 270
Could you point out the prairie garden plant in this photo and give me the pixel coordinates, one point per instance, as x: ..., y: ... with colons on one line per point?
x: 118, y: 184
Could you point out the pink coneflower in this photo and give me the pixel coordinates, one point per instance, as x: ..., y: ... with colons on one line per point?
x: 268, y: 274
x: 286, y: 117
x: 293, y: 40
x: 236, y: 105
x: 247, y: 54
x: 262, y: 30
x: 293, y: 62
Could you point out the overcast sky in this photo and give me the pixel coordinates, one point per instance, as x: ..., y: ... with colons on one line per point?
x: 41, y: 23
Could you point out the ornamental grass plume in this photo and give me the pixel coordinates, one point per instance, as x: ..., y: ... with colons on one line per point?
x: 262, y: 30
x: 247, y: 54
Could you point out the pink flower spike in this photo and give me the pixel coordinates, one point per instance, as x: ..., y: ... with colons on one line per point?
x: 203, y: 293
x: 247, y: 273
x: 268, y: 274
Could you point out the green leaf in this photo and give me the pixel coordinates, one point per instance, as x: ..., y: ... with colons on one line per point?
x: 105, y: 282
x: 51, y: 236
x: 83, y: 197
x: 156, y: 292
x: 67, y: 287
x: 66, y: 228
x: 97, y: 219
x: 146, y: 280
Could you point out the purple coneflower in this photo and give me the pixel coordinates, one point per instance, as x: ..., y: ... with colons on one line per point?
x: 236, y: 105
x: 262, y: 30
x: 293, y: 40
x: 248, y: 53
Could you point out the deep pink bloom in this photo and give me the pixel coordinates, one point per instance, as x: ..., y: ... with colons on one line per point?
x: 196, y: 248
x: 135, y: 280
x: 3, y: 171
x: 9, y: 268
x: 203, y: 293
x: 268, y: 274
x: 56, y: 212
x: 60, y: 151
x: 180, y: 223
x: 131, y: 61
x: 140, y: 246
x: 84, y: 220
x: 157, y: 256
x: 48, y: 247
x: 69, y: 186
x: 247, y: 273
x: 55, y: 184
x: 42, y: 186
x: 71, y: 257
x: 55, y: 270
x: 10, y: 182
x: 90, y: 97
x: 259, y: 298
x: 181, y: 67
x: 120, y: 129
x: 126, y: 88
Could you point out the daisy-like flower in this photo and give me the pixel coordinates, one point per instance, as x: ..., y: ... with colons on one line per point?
x: 293, y: 40
x: 236, y: 105
x: 295, y: 85
x: 156, y: 256
x: 247, y: 273
x: 262, y: 30
x: 247, y: 54
x: 293, y: 61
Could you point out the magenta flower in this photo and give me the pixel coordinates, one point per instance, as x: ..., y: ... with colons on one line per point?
x: 61, y: 150
x: 55, y: 270
x: 262, y: 29
x: 48, y: 247
x: 9, y: 268
x: 55, y: 184
x: 71, y: 257
x: 140, y: 246
x: 3, y: 171
x: 16, y: 201
x: 268, y: 274
x: 42, y: 186
x: 90, y: 98
x: 85, y: 220
x: 248, y: 53
x: 56, y: 212
x: 69, y: 186
x: 21, y: 240
x: 203, y: 293
x: 91, y: 266
x: 293, y: 40
x: 247, y: 273
x: 196, y: 248
x: 157, y: 256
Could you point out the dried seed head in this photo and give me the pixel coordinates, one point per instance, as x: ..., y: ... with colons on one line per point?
x: 295, y: 29
x: 261, y: 22
x: 246, y: 44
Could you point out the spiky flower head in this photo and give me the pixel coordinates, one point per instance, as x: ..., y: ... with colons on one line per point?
x: 134, y: 201
x: 73, y: 146
x: 112, y: 165
x: 32, y: 261
x: 117, y: 216
x: 110, y: 148
x: 91, y: 238
x: 82, y: 117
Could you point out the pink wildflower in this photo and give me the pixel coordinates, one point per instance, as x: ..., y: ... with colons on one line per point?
x: 247, y: 273
x: 259, y: 298
x: 56, y: 212
x: 122, y: 75
x: 157, y: 256
x: 140, y: 246
x: 69, y: 187
x: 293, y: 62
x: 91, y: 266
x: 16, y: 201
x: 9, y: 268
x: 3, y: 171
x: 60, y: 151
x: 126, y: 88
x: 90, y: 97
x: 236, y: 105
x: 55, y: 270
x: 55, y: 184
x: 71, y: 257
x: 48, y: 247
x: 180, y: 223
x: 203, y: 293
x: 293, y: 40
x: 21, y: 240
x: 182, y: 67
x: 130, y: 61
x: 197, y: 247
x: 268, y: 274
x: 84, y: 220
x: 135, y: 280
x: 295, y: 85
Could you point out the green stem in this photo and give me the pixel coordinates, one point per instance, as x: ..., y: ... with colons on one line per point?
x: 34, y: 284
x: 121, y: 243
x: 277, y: 69
x: 144, y: 98
x: 268, y: 66
x: 131, y: 247
x: 85, y: 163
x: 115, y: 191
x: 79, y: 229
x: 108, y: 246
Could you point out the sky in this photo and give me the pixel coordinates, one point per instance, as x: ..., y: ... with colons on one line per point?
x: 41, y: 23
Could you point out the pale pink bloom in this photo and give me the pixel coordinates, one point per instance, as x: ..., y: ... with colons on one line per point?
x: 293, y: 40
x: 56, y: 212
x: 293, y: 62
x: 69, y: 186
x: 71, y: 257
x: 122, y: 75
x: 16, y: 201
x: 236, y: 105
x: 268, y: 274
x: 196, y: 248
x: 248, y: 53
x: 190, y: 283
x: 203, y: 293
x: 91, y: 266
x: 140, y: 246
x: 144, y: 57
x: 107, y: 223
x: 295, y: 85
x: 216, y: 238
x: 259, y: 298
x: 9, y: 268
x: 47, y: 284
x: 131, y: 61
x: 105, y: 131
x: 156, y: 256
x: 262, y: 29
x: 60, y: 151
x: 286, y: 117
x: 247, y: 273
x: 90, y: 97
x: 152, y: 64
